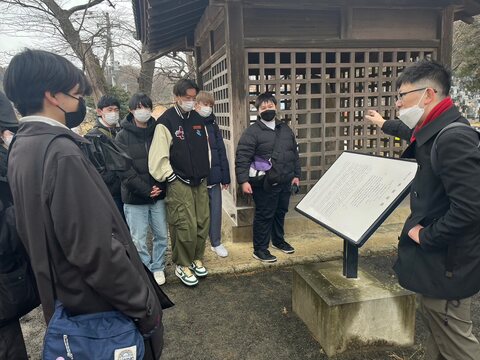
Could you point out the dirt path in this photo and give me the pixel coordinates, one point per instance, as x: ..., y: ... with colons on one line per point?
x: 248, y: 317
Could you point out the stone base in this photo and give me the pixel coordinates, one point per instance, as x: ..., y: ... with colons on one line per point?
x: 344, y: 314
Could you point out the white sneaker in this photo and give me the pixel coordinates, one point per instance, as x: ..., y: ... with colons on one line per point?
x: 220, y: 250
x: 186, y: 275
x: 198, y: 268
x: 159, y: 277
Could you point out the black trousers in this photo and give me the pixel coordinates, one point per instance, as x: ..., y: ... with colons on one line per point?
x: 12, y: 345
x: 269, y: 219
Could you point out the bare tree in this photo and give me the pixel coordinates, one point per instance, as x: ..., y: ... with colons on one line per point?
x: 48, y: 17
x: 466, y: 54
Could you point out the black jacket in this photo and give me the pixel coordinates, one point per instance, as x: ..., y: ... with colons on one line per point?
x: 5, y: 193
x: 258, y: 139
x: 137, y: 182
x: 61, y: 200
x: 99, y: 136
x: 188, y: 152
x: 448, y: 206
x: 7, y: 249
x: 219, y: 169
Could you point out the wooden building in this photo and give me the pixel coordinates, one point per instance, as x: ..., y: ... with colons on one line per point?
x: 327, y: 61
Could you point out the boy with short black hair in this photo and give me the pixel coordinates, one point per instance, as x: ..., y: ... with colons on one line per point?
x: 179, y: 155
x: 438, y: 248
x: 65, y: 213
x: 142, y: 195
x: 102, y: 136
x: 272, y: 140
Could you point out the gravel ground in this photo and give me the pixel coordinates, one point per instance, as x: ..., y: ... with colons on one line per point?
x: 248, y: 317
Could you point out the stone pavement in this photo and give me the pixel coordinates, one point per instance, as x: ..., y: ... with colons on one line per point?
x: 314, y: 244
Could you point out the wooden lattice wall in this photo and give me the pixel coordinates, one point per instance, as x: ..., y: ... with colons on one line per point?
x: 323, y: 94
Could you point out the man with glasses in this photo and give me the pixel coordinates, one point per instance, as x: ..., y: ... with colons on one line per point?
x: 439, y: 247
x: 179, y: 155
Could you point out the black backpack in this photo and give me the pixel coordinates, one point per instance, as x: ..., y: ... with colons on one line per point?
x: 18, y: 288
x: 434, y: 151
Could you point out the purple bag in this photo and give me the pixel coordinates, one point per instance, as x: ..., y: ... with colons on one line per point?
x: 260, y: 164
x: 258, y: 169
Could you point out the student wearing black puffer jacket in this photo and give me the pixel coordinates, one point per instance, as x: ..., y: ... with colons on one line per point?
x: 142, y: 195
x: 271, y: 202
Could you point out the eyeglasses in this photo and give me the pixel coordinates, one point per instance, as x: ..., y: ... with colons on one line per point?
x: 402, y: 94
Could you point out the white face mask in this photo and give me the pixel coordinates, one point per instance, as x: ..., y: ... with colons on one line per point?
x: 411, y: 116
x: 205, y: 111
x: 187, y: 105
x: 142, y: 115
x: 7, y: 137
x: 111, y: 118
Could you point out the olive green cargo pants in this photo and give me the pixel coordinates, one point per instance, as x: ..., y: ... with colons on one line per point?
x: 188, y: 219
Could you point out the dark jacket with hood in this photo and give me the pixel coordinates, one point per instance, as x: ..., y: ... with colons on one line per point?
x: 137, y: 182
x: 446, y: 263
x: 8, y: 121
x: 219, y: 169
x: 63, y: 205
x: 100, y: 136
x: 258, y: 139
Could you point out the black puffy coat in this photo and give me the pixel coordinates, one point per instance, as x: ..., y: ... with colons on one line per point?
x: 448, y: 206
x: 219, y: 169
x: 137, y: 182
x: 258, y: 139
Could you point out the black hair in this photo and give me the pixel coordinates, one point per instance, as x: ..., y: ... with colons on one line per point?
x: 265, y: 98
x: 140, y: 99
x: 31, y: 73
x: 106, y: 101
x: 427, y: 69
x: 182, y: 85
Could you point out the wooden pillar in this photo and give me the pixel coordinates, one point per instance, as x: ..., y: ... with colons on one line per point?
x: 237, y: 86
x: 446, y: 36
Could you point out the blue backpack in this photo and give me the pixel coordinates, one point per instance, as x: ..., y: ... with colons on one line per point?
x: 103, y: 336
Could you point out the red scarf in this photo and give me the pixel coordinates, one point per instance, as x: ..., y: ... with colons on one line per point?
x: 438, y: 110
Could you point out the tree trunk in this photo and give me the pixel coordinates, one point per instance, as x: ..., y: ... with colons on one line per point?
x: 145, y: 79
x: 82, y: 50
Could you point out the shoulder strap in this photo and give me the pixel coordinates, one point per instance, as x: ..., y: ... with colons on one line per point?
x: 434, y: 150
x: 276, y: 143
x: 452, y: 248
x: 105, y: 132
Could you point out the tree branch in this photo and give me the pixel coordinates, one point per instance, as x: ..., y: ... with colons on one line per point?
x: 84, y: 6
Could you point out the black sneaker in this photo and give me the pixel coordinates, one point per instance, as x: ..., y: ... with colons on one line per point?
x: 285, y: 247
x: 264, y: 255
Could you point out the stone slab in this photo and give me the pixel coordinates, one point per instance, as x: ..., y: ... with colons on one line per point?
x: 344, y: 313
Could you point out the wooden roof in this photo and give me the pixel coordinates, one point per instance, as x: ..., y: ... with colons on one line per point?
x: 169, y: 25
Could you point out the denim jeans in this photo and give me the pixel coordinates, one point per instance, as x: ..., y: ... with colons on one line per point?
x: 139, y: 217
